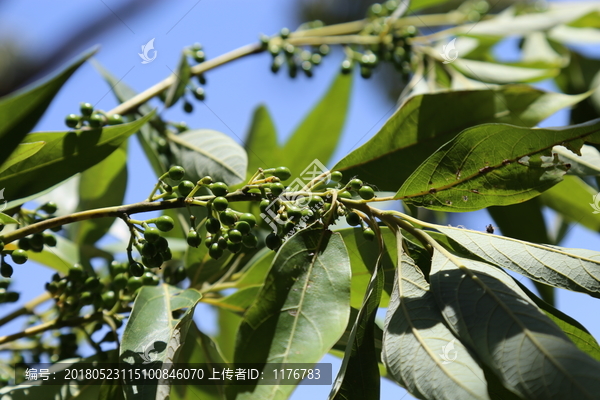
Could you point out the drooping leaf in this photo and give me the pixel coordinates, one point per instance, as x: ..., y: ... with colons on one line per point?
x: 502, y: 74
x: 22, y: 152
x: 532, y: 356
x: 205, y: 152
x: 492, y: 164
x: 301, y: 311
x: 317, y: 136
x: 20, y: 111
x: 261, y: 142
x: 152, y: 334
x: 182, y: 77
x: 551, y: 265
x: 7, y: 219
x: 425, y: 122
x: 419, y: 350
x: 65, y: 154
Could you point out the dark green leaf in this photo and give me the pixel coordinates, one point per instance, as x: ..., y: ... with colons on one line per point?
x: 20, y: 111
x: 425, y: 122
x: 492, y: 164
x: 65, y: 154
x: 182, y: 77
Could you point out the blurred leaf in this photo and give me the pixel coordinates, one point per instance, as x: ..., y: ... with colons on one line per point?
x: 579, y: 36
x: 229, y: 324
x: 261, y: 142
x: 318, y: 135
x: 205, y: 152
x: 301, y: 311
x: 425, y: 122
x: 59, y: 258
x: 589, y: 20
x: 502, y: 74
x: 22, y: 152
x: 538, y: 51
x: 182, y: 77
x: 419, y: 350
x: 551, y: 265
x: 419, y: 4
x: 7, y: 219
x: 519, y: 343
x: 492, y: 165
x: 586, y: 164
x: 65, y: 154
x: 21, y: 110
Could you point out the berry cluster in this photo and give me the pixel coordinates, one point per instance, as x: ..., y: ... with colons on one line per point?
x: 92, y: 118
x: 5, y: 295
x: 153, y: 247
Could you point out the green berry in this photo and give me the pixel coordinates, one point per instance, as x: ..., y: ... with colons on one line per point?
x: 346, y: 67
x: 219, y: 188
x: 248, y: 218
x: 336, y: 176
x: 134, y: 283
x: 277, y: 188
x: 208, y: 240
x: 12, y: 297
x: 6, y: 270
x: 199, y: 56
x: 353, y: 219
x: 36, y: 240
x: 250, y: 241
x: 119, y: 268
x: 294, y: 213
x: 148, y: 250
x: 136, y: 269
x: 162, y: 244
x: 86, y: 109
x: 228, y: 217
x: 120, y: 281
x: 115, y: 119
x: 152, y: 235
x: 19, y: 256
x: 148, y: 279
x: 76, y: 272
x: 366, y: 192
x: 207, y: 180
x: 315, y: 201
x: 72, y: 120
x: 165, y: 223
x: 185, y: 187
x: 4, y: 283
x: 153, y: 262
x: 369, y: 234
x: 91, y: 283
x: 176, y: 173
x: 273, y: 241
x: 179, y: 274
x: 235, y: 236
x: 284, y: 33
x: 220, y: 203
x: 288, y: 227
x: 166, y: 255
x: 86, y: 298
x: 49, y: 240
x: 234, y: 247
x: 215, y: 251
x: 193, y: 239
x: 355, y: 184
x: 344, y: 195
x: 282, y: 173
x: 263, y: 205
x: 243, y: 227
x: 199, y: 94
x: 188, y: 107
x: 24, y: 244
x: 213, y: 225
x: 96, y: 121
x: 109, y: 299
x: 222, y: 243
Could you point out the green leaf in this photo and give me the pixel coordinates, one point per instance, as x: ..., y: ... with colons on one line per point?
x: 261, y: 142
x: 586, y: 164
x: 492, y: 165
x: 60, y: 258
x: 532, y: 356
x: 571, y: 327
x: 229, y: 324
x: 7, y: 219
x: 363, y: 258
x: 102, y: 185
x: 319, y: 133
x: 425, y: 122
x: 419, y: 350
x: 358, y: 377
x: 182, y: 77
x: 502, y: 74
x: 20, y: 111
x: 589, y: 20
x: 205, y: 152
x: 22, y: 152
x: 301, y: 311
x: 419, y: 4
x: 551, y: 265
x: 65, y: 154
x: 151, y: 329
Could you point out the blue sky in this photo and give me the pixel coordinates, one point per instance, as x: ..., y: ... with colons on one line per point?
x: 233, y: 91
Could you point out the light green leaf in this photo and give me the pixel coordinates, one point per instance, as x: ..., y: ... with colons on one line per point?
x: 502, y: 74
x: 569, y: 35
x: 20, y: 111
x: 492, y: 165
x: 532, y: 356
x: 419, y: 350
x: 554, y: 266
x: 319, y: 133
x: 22, y: 152
x: 182, y: 77
x: 261, y: 142
x: 301, y: 311
x: 205, y: 152
x: 65, y: 154
x: 586, y: 164
x: 425, y: 122
x: 419, y: 4
x: 151, y: 329
x: 229, y: 324
x: 7, y: 219
x: 537, y: 51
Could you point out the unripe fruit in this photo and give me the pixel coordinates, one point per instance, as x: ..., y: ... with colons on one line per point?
x: 234, y: 247
x: 161, y: 244
x: 148, y: 250
x: 86, y: 109
x: 249, y: 218
x: 6, y: 270
x: 346, y: 67
x: 115, y: 119
x: 250, y: 241
x: 134, y: 283
x: 355, y: 184
x: 235, y: 236
x: 120, y: 281
x: 294, y: 213
x: 228, y: 217
x: 219, y: 188
x: 188, y: 107
x: 282, y: 173
x: 185, y: 187
x: 49, y: 240
x: 263, y: 205
x: 91, y: 283
x: 151, y: 235
x: 284, y: 33
x: 148, y: 279
x: 12, y: 297
x: 199, y: 94
x: 277, y: 188
x: 166, y: 255
x: 72, y: 120
x: 119, y: 268
x: 109, y: 298
x: 369, y: 234
x: 24, y: 244
x: 243, y: 227
x: 366, y: 192
x: 315, y: 201
x: 215, y: 251
x: 86, y: 298
x: 19, y: 256
x: 179, y: 274
x: 273, y: 241
x: 344, y: 195
x: 222, y: 243
x: 213, y: 225
x: 76, y: 272
x: 220, y: 203
x: 176, y: 173
x: 336, y: 176
x: 353, y: 219
x: 193, y: 239
x: 37, y: 241
x: 96, y: 121
x: 136, y: 269
x: 165, y: 223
